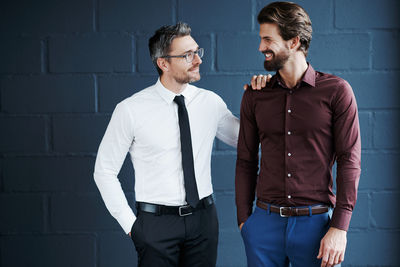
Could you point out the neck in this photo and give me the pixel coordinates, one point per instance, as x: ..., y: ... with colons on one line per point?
x: 294, y: 70
x: 172, y: 84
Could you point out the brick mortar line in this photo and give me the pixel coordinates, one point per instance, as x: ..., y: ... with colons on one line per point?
x: 44, y: 62
x: 63, y: 194
x: 369, y: 203
x: 49, y: 155
x: 211, y: 73
x: 96, y: 94
x: 215, y: 59
x: 55, y: 114
x: 373, y: 121
x: 371, y: 49
x: 174, y: 11
x: 223, y: 153
x: 53, y: 74
x: 134, y: 53
x: 48, y: 134
x: 213, y: 40
x: 217, y: 72
x: 368, y: 230
x: 333, y: 6
x: 224, y: 192
x: 253, y: 15
x: 96, y: 14
x: 46, y: 213
x: 137, y: 74
x: 46, y: 192
x: 96, y: 249
x: 1, y: 174
x: 373, y: 110
x: 369, y: 191
x: 95, y: 34
x: 49, y: 234
x: 200, y: 31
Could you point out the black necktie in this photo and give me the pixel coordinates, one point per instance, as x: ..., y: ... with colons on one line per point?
x: 192, y: 196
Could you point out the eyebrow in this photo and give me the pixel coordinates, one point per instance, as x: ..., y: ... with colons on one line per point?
x: 266, y: 38
x: 187, y: 51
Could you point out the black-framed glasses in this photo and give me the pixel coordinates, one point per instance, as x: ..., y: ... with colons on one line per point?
x: 189, y: 56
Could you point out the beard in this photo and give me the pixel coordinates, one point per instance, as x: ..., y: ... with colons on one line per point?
x: 188, y: 77
x: 277, y: 62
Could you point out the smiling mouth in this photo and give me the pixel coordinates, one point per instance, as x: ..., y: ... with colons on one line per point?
x: 195, y: 69
x: 268, y: 55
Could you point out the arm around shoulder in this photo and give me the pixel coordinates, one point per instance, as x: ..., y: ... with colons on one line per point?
x: 228, y: 124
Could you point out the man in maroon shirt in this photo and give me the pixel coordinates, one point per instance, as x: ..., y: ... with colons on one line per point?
x: 305, y: 120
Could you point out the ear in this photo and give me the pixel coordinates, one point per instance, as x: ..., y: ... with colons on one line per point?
x: 295, y: 43
x: 162, y: 63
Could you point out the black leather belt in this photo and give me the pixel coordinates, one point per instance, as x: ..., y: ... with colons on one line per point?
x: 293, y: 211
x: 174, y: 210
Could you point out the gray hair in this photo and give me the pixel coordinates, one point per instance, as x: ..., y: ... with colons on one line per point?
x: 160, y: 42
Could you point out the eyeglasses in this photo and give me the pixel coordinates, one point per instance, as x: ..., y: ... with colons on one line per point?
x: 189, y: 56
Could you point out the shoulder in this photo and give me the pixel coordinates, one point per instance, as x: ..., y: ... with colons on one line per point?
x: 207, y: 95
x: 332, y: 82
x: 139, y: 97
x: 136, y: 102
x: 250, y: 96
x: 340, y: 91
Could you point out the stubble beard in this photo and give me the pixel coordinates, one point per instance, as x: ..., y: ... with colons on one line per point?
x: 188, y: 77
x: 277, y: 62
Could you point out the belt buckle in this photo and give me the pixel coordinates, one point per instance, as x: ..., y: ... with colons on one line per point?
x: 182, y: 211
x: 284, y: 208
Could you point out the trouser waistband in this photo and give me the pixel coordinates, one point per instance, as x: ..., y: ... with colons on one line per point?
x: 174, y: 210
x: 293, y: 211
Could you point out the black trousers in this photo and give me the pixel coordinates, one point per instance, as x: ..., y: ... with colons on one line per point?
x: 172, y: 240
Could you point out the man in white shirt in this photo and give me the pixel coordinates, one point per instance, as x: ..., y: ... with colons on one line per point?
x: 176, y: 224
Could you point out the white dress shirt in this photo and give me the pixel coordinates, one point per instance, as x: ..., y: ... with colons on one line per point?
x: 146, y: 124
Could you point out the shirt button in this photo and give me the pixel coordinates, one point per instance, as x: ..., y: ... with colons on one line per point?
x: 289, y: 132
x: 291, y: 92
x: 289, y: 175
x: 289, y: 111
x: 289, y: 154
x: 289, y: 196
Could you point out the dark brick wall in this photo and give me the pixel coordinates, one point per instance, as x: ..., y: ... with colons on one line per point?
x: 64, y: 65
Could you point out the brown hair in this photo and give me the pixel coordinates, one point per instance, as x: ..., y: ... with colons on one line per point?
x: 291, y: 19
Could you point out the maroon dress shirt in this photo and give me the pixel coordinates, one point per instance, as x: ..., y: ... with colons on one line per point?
x: 302, y: 132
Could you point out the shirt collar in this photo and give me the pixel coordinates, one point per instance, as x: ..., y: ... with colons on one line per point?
x: 168, y: 96
x: 308, y: 77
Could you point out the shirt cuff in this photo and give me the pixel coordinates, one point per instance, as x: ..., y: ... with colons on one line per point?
x: 243, y: 214
x: 126, y: 220
x: 341, y: 219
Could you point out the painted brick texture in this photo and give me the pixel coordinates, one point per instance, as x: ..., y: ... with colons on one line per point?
x: 48, y: 94
x: 64, y: 65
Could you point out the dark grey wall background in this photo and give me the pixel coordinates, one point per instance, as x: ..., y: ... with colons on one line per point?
x: 65, y: 64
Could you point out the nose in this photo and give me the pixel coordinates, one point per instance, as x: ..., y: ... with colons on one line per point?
x: 197, y: 59
x: 261, y: 47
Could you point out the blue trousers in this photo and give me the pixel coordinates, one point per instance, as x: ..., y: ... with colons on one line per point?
x: 271, y: 240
